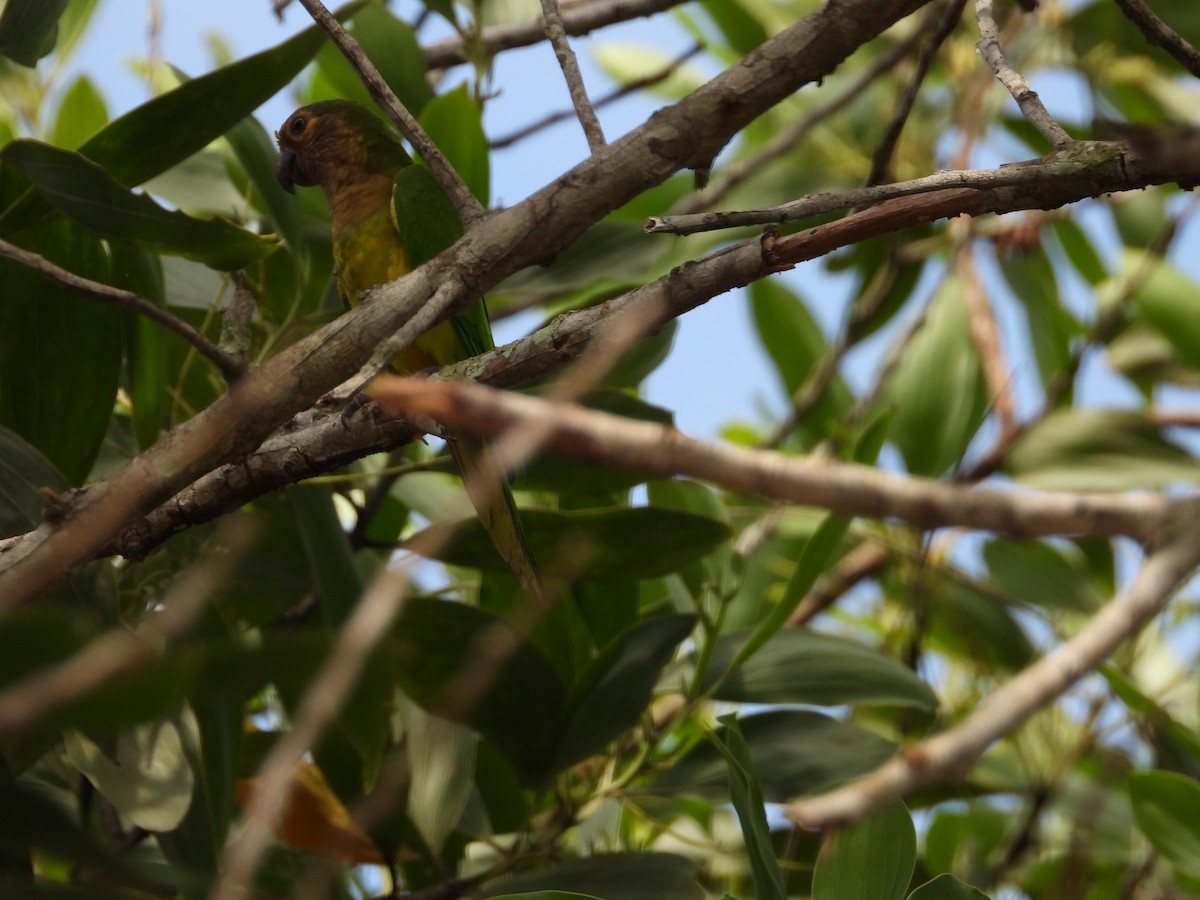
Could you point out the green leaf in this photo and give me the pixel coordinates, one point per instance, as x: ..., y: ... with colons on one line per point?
x: 516, y: 699
x: 795, y: 753
x: 1164, y: 805
x: 187, y: 119
x: 813, y: 561
x: 947, y: 887
x: 1098, y: 450
x: 81, y: 113
x: 545, y: 895
x: 29, y: 28
x: 60, y: 354
x: 86, y: 194
x: 751, y: 812
x: 1167, y: 300
x: 1078, y: 247
x: 741, y: 29
x: 610, y: 544
x: 795, y: 344
x: 1050, y: 326
x: 441, y: 757
x: 976, y: 624
x: 1039, y: 573
x: 455, y: 123
x: 363, y: 717
x: 149, y: 781
x: 870, y: 860
x: 428, y: 221
x: 1177, y: 744
x: 628, y: 876
x: 938, y: 387
x: 256, y: 153
x: 392, y: 46
x: 24, y: 473
x: 803, y: 666
x: 615, y: 688
x: 146, y: 341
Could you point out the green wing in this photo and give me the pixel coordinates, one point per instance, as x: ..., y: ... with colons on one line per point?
x: 429, y: 223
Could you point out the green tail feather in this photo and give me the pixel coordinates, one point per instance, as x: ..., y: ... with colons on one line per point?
x: 487, y: 486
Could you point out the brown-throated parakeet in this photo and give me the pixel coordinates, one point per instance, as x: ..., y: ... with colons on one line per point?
x: 389, y: 215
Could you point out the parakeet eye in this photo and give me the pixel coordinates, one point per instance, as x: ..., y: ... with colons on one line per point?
x: 297, y: 126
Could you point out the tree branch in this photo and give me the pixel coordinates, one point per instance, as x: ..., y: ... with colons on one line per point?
x: 682, y: 136
x: 952, y: 753
x: 556, y: 32
x: 1159, y: 34
x: 229, y: 365
x: 1031, y: 105
x: 578, y: 19
x: 659, y: 451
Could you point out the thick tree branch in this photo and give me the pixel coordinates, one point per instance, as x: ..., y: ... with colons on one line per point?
x: 952, y: 753
x: 229, y: 365
x: 657, y: 450
x: 685, y: 135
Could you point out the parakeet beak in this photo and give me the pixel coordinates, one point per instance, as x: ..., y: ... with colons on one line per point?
x: 290, y: 173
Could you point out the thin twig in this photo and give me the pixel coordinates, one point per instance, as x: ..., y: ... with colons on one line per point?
x: 368, y: 624
x: 882, y: 157
x: 1160, y: 34
x: 620, y: 93
x: 853, y: 489
x: 1015, y: 174
x: 1031, y: 105
x: 786, y: 140
x: 578, y: 19
x: 557, y: 34
x: 952, y: 753
x: 456, y: 189
x: 231, y: 368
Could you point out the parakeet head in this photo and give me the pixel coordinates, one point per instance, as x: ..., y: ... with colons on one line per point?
x: 335, y: 143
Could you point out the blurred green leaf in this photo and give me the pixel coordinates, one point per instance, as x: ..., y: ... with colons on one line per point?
x: 947, y: 887
x: 976, y: 625
x: 1177, y: 744
x: 794, y: 341
x: 803, y: 666
x: 795, y: 753
x: 1167, y: 300
x: 24, y: 473
x: 85, y: 193
x: 1080, y: 251
x: 29, y: 28
x: 621, y: 544
x: 629, y: 876
x: 81, y: 113
x: 149, y: 780
x: 1164, y: 805
x: 748, y: 802
x: 614, y: 690
x: 1049, y: 325
x: 363, y: 715
x: 455, y: 123
x: 1097, y: 450
x: 60, y: 354
x: 145, y: 341
x: 465, y: 665
x: 1040, y: 573
x: 737, y: 24
x: 938, y: 387
x: 873, y: 859
x: 392, y: 46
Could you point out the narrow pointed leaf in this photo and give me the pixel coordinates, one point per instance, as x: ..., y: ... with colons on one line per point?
x: 870, y: 860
